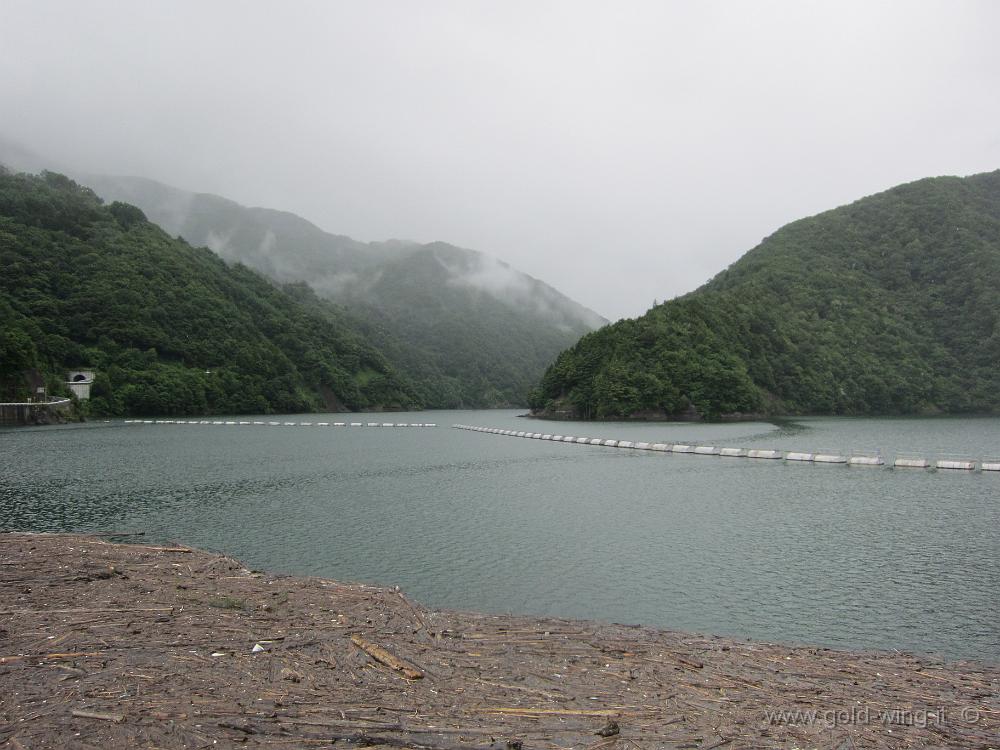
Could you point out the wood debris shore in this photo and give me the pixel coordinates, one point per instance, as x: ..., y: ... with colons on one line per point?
x: 107, y: 645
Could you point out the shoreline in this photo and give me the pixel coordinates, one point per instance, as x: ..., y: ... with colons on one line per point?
x: 131, y: 645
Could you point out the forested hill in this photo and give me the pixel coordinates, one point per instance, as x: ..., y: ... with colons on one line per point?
x: 279, y: 244
x: 466, y: 328
x: 890, y: 305
x: 170, y: 329
x: 469, y: 329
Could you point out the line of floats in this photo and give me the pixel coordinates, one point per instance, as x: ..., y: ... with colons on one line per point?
x: 280, y: 424
x: 774, y: 455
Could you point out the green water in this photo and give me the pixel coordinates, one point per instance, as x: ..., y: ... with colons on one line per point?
x: 845, y: 556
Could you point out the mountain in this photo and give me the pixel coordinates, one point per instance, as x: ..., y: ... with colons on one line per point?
x: 170, y: 328
x: 467, y: 329
x: 281, y: 245
x: 476, y: 332
x: 889, y: 305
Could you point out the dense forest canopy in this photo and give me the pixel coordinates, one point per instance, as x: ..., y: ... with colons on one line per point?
x: 170, y: 328
x: 890, y: 305
x: 466, y: 329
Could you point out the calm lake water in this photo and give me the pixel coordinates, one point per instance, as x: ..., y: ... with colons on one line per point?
x: 852, y: 557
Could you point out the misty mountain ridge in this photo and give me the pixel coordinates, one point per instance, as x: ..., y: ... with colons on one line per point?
x: 289, y: 248
x: 169, y: 328
x: 467, y: 329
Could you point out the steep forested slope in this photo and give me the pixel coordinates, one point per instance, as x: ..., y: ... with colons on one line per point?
x: 890, y: 305
x: 170, y: 328
x: 281, y: 245
x: 477, y: 332
x: 468, y: 329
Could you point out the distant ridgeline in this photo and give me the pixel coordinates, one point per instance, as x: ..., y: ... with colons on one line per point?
x: 466, y: 329
x: 890, y: 305
x: 169, y: 328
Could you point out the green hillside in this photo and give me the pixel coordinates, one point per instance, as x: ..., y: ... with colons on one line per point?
x: 279, y: 244
x: 171, y: 329
x: 890, y: 305
x: 467, y: 329
x: 476, y: 332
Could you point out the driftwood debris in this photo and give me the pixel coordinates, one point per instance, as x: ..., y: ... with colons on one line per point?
x: 382, y: 656
x: 160, y: 654
x: 100, y: 716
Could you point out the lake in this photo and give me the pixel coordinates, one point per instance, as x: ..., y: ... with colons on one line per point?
x: 854, y: 557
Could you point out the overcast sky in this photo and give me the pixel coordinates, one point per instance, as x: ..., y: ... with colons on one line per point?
x: 620, y: 151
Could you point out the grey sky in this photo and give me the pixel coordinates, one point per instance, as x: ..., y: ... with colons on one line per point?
x: 620, y: 151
